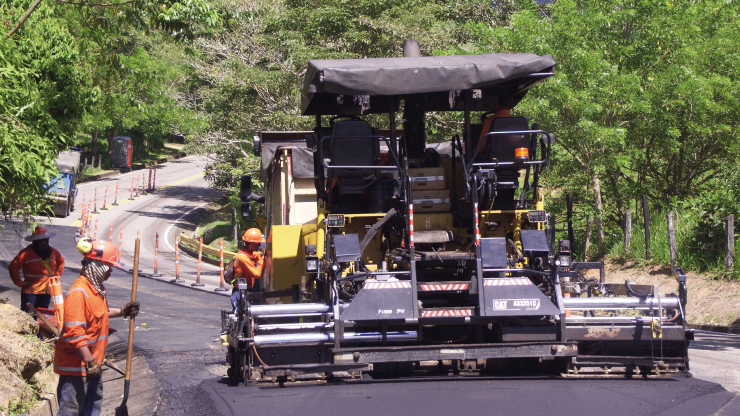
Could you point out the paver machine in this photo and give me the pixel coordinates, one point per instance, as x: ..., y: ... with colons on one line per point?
x: 387, y: 254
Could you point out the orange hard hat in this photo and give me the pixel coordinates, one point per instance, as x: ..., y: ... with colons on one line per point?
x: 253, y: 235
x: 104, y: 251
x: 40, y: 233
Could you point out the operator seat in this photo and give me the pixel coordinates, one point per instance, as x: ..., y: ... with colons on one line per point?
x: 353, y: 144
x: 501, y: 147
x: 352, y: 147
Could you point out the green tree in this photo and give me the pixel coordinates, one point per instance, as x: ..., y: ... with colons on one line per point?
x: 41, y: 105
x: 643, y: 100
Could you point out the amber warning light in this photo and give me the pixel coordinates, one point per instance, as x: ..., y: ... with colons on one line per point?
x: 521, y: 154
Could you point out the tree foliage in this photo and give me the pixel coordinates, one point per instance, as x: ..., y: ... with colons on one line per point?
x: 41, y: 104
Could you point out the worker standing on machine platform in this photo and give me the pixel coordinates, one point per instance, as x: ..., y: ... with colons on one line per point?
x: 80, y: 349
x: 39, y: 261
x: 249, y: 262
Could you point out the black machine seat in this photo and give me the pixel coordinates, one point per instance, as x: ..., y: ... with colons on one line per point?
x: 502, y: 146
x: 353, y: 147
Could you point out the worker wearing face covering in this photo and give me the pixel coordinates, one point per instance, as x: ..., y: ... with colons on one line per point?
x: 80, y: 349
x: 39, y: 261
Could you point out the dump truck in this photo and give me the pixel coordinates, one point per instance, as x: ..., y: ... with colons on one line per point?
x: 61, y: 190
x: 387, y: 254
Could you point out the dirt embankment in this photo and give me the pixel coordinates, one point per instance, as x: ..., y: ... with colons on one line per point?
x: 710, y: 301
x: 25, y: 362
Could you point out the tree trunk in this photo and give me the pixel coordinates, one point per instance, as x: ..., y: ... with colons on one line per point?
x: 235, y: 224
x: 109, y: 135
x: 94, y: 143
x: 599, y: 215
x: 589, y: 227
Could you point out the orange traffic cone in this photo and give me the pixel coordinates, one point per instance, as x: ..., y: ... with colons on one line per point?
x: 57, y: 298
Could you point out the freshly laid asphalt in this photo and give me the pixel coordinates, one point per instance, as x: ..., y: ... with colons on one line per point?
x: 178, y: 328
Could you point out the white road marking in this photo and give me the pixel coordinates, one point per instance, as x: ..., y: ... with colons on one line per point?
x: 167, y: 231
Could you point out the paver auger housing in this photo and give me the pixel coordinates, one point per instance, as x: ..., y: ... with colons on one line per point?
x: 388, y: 254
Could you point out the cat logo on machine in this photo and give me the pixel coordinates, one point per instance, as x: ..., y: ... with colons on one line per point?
x: 516, y: 304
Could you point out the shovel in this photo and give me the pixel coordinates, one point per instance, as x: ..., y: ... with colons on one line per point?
x: 122, y: 410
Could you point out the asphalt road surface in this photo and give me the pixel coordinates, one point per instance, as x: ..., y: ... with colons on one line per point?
x: 180, y: 198
x: 178, y: 328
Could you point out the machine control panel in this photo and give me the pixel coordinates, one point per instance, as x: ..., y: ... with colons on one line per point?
x: 537, y: 216
x: 335, y: 221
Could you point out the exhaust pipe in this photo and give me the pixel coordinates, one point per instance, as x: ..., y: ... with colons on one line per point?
x: 411, y: 49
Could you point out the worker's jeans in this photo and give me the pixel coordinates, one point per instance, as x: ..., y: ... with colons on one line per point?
x: 77, y: 397
x: 40, y: 300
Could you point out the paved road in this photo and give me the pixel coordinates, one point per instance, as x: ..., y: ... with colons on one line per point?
x: 181, y: 197
x: 178, y: 329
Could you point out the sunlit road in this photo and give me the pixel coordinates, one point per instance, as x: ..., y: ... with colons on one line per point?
x: 175, y: 206
x: 178, y: 332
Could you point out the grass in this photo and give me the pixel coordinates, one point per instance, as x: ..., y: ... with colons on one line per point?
x: 220, y: 223
x: 169, y: 149
x: 697, y: 248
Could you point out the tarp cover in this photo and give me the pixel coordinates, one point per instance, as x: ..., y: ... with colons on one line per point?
x: 419, y: 75
x: 301, y: 157
x: 68, y: 161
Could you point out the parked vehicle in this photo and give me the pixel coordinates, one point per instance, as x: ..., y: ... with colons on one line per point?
x: 62, y: 190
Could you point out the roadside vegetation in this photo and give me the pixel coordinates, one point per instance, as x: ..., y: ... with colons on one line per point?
x: 644, y: 100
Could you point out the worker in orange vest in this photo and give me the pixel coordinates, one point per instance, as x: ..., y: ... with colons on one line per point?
x: 39, y: 261
x: 249, y: 263
x: 80, y: 349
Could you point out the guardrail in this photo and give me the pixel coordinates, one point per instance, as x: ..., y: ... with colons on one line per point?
x: 191, y: 244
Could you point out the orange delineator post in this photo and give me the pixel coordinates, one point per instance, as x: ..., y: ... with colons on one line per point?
x: 154, y: 182
x: 57, y: 299
x: 82, y: 207
x: 137, y: 185
x: 222, y: 287
x: 110, y: 238
x: 120, y: 242
x: 149, y: 188
x: 115, y: 196
x: 156, y: 255
x: 131, y: 195
x: 95, y: 202
x: 95, y: 236
x: 200, y: 256
x: 82, y: 220
x: 105, y: 197
x: 177, y: 262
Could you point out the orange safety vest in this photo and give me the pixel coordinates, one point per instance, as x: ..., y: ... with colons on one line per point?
x: 35, y: 275
x: 85, y: 323
x: 248, y: 266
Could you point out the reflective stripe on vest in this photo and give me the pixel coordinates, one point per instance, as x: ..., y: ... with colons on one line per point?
x: 78, y: 289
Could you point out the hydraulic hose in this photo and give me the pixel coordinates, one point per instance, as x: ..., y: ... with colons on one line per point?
x: 374, y: 230
x: 633, y: 292
x: 519, y: 254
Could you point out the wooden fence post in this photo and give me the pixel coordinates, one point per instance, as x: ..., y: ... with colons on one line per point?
x: 671, y: 239
x: 730, y: 250
x: 627, y: 230
x: 569, y: 206
x: 589, y: 227
x: 646, y: 216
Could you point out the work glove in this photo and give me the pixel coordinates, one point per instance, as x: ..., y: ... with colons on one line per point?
x: 131, y: 309
x: 93, y: 370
